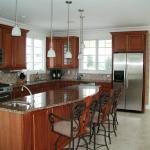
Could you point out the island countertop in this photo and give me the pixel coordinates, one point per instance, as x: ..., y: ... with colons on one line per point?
x: 51, y: 98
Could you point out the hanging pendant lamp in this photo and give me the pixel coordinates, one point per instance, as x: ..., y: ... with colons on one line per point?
x: 68, y: 53
x: 51, y: 51
x: 81, y: 34
x: 16, y: 31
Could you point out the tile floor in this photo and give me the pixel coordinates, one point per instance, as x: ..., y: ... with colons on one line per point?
x: 133, y: 132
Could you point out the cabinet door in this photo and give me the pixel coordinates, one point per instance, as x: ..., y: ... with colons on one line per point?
x: 136, y: 42
x: 74, y: 48
x: 58, y: 49
x: 57, y: 45
x: 119, y: 42
x: 40, y: 130
x: 75, y: 51
x: 19, y: 52
x: 6, y: 47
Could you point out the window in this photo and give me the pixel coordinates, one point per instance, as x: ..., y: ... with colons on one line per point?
x: 97, y: 57
x: 35, y: 54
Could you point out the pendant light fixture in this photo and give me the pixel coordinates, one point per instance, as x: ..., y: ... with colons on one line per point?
x: 68, y: 53
x: 16, y: 31
x: 51, y: 51
x: 81, y: 34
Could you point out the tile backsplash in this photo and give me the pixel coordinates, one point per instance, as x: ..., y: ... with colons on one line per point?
x: 39, y: 76
x: 73, y: 73
x: 12, y: 77
x: 8, y: 77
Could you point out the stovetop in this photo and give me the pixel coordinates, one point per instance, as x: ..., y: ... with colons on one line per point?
x: 4, y: 85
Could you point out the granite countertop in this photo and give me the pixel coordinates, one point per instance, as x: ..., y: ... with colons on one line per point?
x: 51, y: 98
x: 61, y: 80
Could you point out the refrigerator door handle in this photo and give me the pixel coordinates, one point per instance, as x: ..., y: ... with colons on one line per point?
x: 126, y: 81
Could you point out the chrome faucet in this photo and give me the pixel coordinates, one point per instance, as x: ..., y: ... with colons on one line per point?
x: 32, y: 98
x: 24, y: 86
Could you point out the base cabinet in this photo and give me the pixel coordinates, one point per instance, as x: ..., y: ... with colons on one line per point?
x: 40, y: 130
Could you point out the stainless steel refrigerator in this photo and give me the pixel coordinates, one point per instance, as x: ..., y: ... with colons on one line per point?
x: 128, y: 70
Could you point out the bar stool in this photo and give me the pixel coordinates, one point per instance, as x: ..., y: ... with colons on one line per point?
x: 99, y: 120
x: 76, y: 127
x: 116, y: 94
x: 67, y: 127
x: 87, y: 122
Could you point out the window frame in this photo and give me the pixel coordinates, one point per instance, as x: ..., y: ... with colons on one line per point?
x: 96, y: 71
x: 43, y: 55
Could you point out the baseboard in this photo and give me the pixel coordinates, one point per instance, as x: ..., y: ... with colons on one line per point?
x: 147, y: 106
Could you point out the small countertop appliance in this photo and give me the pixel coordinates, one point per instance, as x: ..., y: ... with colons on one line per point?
x: 55, y: 74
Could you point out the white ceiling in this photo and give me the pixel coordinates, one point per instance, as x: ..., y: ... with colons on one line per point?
x: 98, y: 13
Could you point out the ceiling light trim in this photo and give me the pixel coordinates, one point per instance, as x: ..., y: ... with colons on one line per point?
x: 68, y: 54
x: 51, y: 52
x: 16, y: 31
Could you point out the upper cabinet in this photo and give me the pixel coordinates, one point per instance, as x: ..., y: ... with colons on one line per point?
x: 19, y: 51
x: 57, y: 46
x: 13, y: 49
x: 6, y: 48
x: 134, y: 41
x: 74, y: 48
x: 60, y: 47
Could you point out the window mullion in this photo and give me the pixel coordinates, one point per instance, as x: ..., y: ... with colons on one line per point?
x: 33, y: 56
x: 96, y: 55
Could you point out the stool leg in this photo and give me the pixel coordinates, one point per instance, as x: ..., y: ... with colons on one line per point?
x: 86, y: 143
x: 94, y: 134
x: 78, y: 143
x: 105, y: 136
x: 55, y: 146
x: 114, y: 126
x: 109, y: 130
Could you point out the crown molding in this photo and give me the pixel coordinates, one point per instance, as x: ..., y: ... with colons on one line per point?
x: 91, y: 30
x: 24, y: 26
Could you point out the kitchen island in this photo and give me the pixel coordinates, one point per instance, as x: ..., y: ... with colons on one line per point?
x: 28, y: 128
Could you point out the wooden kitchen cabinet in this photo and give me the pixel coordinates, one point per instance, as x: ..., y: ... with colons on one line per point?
x: 119, y: 42
x: 40, y: 130
x: 60, y: 45
x: 19, y: 52
x: 137, y: 41
x: 6, y: 48
x: 133, y: 41
x: 57, y: 45
x: 74, y: 48
x: 13, y: 49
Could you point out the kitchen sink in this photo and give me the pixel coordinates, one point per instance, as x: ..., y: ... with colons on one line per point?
x: 17, y: 104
